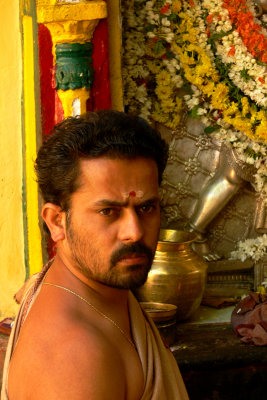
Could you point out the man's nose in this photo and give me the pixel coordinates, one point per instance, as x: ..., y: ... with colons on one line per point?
x: 131, y: 228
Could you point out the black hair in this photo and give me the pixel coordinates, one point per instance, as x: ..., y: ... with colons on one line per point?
x: 108, y: 133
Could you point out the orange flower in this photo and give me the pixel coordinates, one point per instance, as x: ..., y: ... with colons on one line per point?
x: 264, y: 57
x: 191, y: 3
x: 250, y: 32
x: 165, y: 9
x: 231, y: 52
x: 261, y: 80
x: 209, y: 18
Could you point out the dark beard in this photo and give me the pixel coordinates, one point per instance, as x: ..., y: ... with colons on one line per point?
x: 134, y: 248
x: 139, y: 271
x: 132, y: 277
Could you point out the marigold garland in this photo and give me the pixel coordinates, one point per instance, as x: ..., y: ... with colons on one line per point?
x: 250, y: 31
x: 199, y: 71
x: 185, y: 51
x: 201, y: 53
x: 243, y: 69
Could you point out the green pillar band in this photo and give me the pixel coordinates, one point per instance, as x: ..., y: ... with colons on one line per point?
x: 74, y: 65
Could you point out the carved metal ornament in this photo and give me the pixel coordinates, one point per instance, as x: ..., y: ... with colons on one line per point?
x: 74, y: 68
x: 206, y: 188
x: 242, y: 169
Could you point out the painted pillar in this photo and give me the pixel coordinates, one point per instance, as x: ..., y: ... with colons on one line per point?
x: 72, y: 25
x: 115, y: 53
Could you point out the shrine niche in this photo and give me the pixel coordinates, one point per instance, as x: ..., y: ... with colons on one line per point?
x: 69, y: 27
x: 192, y: 69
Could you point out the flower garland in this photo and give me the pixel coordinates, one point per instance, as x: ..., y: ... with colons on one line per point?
x: 199, y: 71
x: 247, y: 76
x: 249, y: 31
x: 177, y: 45
x: 200, y: 54
x: 134, y: 73
x: 256, y: 249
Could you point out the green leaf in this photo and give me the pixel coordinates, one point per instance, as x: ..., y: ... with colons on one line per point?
x: 219, y: 35
x: 170, y: 55
x: 194, y: 112
x: 205, y: 14
x: 254, y: 106
x: 222, y: 68
x: 251, y: 153
x: 173, y: 18
x: 212, y: 128
x: 159, y: 46
x: 149, y: 27
x: 187, y: 88
x: 261, y: 63
x: 244, y: 74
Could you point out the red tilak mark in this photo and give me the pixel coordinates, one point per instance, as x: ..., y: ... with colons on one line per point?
x: 132, y: 193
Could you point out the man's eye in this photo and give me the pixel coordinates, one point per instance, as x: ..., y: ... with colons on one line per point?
x: 147, y: 209
x: 108, y: 212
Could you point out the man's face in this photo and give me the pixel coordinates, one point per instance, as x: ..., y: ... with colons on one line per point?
x: 113, y: 223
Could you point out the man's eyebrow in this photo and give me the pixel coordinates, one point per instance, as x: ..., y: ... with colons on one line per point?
x: 111, y: 203
x: 152, y: 200
x: 115, y: 203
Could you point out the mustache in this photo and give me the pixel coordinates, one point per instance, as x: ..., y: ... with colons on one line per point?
x: 134, y: 248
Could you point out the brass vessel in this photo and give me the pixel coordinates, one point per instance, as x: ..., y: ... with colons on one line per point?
x: 159, y: 312
x: 178, y: 274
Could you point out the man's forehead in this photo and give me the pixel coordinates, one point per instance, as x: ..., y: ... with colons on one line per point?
x: 104, y: 167
x: 114, y: 160
x: 130, y: 178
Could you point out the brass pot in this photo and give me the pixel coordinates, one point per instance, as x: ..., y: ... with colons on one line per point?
x: 178, y: 274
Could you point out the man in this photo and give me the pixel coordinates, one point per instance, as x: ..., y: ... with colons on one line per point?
x: 80, y: 333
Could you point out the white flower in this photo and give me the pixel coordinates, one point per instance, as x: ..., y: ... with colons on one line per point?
x: 251, y: 248
x: 178, y: 81
x: 151, y: 35
x: 165, y: 22
x: 201, y: 111
x: 149, y: 4
x: 169, y: 37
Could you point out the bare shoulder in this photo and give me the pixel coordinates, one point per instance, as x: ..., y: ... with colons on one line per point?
x: 88, y: 367
x: 80, y: 365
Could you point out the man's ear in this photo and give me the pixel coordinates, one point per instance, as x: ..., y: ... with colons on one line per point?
x: 54, y: 219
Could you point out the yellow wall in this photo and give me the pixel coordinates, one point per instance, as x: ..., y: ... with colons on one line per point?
x: 20, y: 240
x: 12, y: 267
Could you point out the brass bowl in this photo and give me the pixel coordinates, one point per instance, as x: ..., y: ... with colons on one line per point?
x: 159, y: 311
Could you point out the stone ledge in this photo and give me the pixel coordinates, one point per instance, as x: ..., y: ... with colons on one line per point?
x: 216, y: 365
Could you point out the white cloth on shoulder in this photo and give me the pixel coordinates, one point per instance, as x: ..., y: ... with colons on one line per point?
x: 163, y: 380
